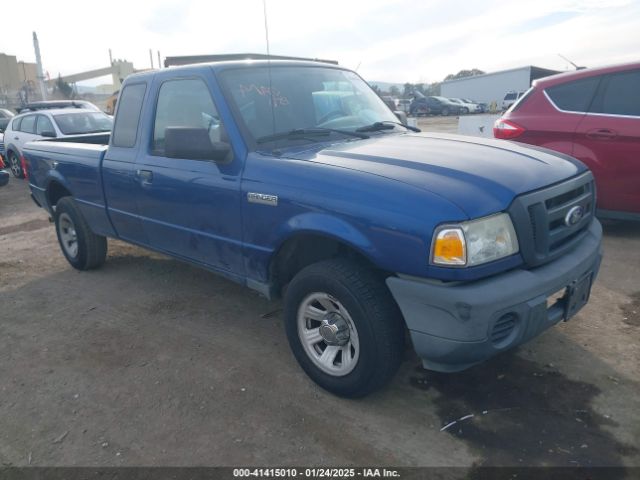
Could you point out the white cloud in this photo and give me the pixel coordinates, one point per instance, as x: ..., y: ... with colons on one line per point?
x: 392, y: 40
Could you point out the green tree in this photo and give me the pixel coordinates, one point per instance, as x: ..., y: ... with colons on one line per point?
x: 433, y: 89
x: 464, y: 73
x: 394, y: 91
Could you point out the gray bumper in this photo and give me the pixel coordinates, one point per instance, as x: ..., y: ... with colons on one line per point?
x: 456, y: 326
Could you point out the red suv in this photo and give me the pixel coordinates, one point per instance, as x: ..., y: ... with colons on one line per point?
x: 594, y: 116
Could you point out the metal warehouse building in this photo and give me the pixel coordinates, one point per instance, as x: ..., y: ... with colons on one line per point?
x: 492, y: 87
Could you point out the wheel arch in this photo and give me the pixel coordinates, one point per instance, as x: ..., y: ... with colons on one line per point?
x: 57, y: 187
x: 305, y: 246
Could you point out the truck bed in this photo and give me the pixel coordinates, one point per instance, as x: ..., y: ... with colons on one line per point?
x: 73, y: 163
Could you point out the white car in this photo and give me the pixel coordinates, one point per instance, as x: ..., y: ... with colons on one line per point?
x: 51, y: 123
x: 510, y: 98
x: 467, y: 107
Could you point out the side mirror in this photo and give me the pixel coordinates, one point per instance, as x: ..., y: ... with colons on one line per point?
x: 194, y: 144
x: 48, y: 134
x: 402, y: 116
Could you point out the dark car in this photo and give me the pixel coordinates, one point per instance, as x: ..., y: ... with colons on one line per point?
x: 594, y: 116
x: 5, y: 116
x: 4, y: 178
x: 434, y: 106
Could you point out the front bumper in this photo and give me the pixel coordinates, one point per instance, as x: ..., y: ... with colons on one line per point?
x: 456, y: 326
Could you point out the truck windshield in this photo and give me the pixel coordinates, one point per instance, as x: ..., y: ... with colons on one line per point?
x: 297, y: 98
x: 83, y: 122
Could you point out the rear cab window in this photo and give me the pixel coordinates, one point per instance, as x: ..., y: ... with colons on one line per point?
x: 125, y: 130
x: 574, y: 96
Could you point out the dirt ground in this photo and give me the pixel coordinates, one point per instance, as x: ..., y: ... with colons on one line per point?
x: 148, y: 361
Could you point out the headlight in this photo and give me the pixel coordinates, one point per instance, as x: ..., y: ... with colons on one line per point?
x: 472, y: 243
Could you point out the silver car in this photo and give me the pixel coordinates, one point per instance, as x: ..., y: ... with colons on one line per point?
x: 52, y: 123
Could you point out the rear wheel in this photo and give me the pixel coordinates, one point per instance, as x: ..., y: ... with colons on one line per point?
x: 82, y: 248
x: 344, y: 327
x: 15, y: 165
x: 445, y: 112
x: 464, y: 110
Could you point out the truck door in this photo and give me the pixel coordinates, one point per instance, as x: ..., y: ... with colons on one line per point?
x: 190, y: 208
x: 119, y: 167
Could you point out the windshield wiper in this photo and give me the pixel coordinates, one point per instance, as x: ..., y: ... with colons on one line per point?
x: 305, y: 132
x: 385, y: 125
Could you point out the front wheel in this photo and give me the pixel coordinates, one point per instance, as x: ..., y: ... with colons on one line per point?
x: 82, y: 248
x: 15, y: 165
x: 344, y: 327
x: 445, y: 112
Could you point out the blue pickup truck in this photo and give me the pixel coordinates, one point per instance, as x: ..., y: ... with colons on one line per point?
x: 296, y: 180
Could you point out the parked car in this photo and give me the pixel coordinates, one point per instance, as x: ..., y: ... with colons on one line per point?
x: 594, y: 116
x: 49, y: 123
x: 367, y: 227
x: 435, y: 106
x: 390, y: 102
x: 54, y: 104
x: 5, y: 116
x: 404, y: 105
x: 467, y: 106
x: 510, y: 98
x: 482, y: 107
x: 3, y: 157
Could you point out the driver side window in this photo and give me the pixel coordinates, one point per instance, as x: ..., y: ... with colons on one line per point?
x: 184, y: 103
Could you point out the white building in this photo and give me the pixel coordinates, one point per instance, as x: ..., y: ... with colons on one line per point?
x: 492, y: 87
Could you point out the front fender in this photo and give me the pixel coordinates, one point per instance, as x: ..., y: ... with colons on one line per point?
x: 328, y: 226
x: 258, y: 259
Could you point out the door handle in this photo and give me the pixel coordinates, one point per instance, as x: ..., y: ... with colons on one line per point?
x: 601, y: 134
x: 145, y: 176
x: 16, y: 138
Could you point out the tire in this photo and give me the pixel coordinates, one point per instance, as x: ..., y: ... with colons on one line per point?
x: 363, y: 306
x: 445, y: 112
x: 82, y: 248
x: 15, y: 165
x: 464, y: 111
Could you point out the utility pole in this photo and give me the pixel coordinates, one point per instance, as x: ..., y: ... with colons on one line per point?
x: 151, y: 58
x: 110, y: 58
x: 36, y: 46
x: 159, y: 62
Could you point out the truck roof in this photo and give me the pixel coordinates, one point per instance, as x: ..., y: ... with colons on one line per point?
x: 229, y: 64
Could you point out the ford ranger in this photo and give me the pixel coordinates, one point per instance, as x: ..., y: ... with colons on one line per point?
x: 296, y: 180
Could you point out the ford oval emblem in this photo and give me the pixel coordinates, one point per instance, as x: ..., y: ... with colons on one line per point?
x: 573, y: 216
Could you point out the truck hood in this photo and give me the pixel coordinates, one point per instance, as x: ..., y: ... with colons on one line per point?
x: 480, y: 176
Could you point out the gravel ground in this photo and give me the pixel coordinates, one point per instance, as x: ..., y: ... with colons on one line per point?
x: 149, y: 361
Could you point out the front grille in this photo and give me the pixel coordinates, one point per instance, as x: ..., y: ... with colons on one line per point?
x: 540, y: 218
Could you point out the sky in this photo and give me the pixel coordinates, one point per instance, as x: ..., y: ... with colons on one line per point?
x: 384, y: 40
